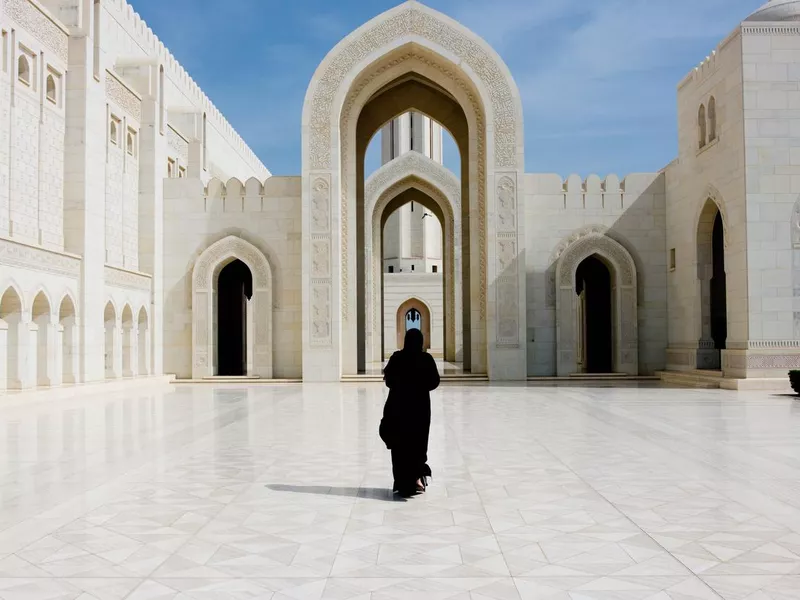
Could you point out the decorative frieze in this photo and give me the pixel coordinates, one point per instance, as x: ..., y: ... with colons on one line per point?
x: 178, y: 145
x: 123, y: 96
x: 15, y: 254
x: 132, y: 280
x: 28, y: 16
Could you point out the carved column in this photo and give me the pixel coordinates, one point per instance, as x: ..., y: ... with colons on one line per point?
x: 508, y: 354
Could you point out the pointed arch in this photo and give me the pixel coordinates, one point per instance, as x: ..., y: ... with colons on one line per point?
x: 129, y: 350
x: 702, y: 140
x: 712, y: 119
x: 13, y: 346
x: 414, y: 171
x: 70, y: 349
x: 426, y: 314
x: 204, y: 288
x: 625, y: 326
x: 415, y: 45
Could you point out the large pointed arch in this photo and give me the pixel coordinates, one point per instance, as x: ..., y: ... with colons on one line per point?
x: 412, y: 40
x: 204, y: 281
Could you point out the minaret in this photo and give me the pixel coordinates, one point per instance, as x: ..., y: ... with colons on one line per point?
x: 412, y: 234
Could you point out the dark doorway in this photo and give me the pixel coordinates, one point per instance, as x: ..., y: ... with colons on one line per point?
x: 719, y: 301
x: 234, y: 289
x: 593, y: 286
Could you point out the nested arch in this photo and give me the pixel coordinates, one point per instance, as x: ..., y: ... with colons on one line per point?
x: 410, y: 45
x: 625, y: 326
x: 204, y: 326
x: 433, y: 186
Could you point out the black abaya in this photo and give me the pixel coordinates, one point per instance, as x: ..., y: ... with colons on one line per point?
x: 410, y: 376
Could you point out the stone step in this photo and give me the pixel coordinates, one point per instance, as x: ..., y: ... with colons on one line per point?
x: 693, y: 379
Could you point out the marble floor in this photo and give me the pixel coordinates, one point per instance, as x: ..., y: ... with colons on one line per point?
x: 561, y: 493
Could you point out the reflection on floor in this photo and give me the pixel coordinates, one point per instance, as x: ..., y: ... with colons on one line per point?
x: 282, y: 492
x: 445, y: 368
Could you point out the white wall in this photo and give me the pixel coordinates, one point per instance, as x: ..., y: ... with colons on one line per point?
x: 633, y: 213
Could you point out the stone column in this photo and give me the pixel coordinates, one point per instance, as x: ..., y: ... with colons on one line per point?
x: 29, y: 353
x: 4, y: 353
x: 57, y: 354
x: 84, y: 194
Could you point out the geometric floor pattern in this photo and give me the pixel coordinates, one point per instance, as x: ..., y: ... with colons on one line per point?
x: 556, y: 493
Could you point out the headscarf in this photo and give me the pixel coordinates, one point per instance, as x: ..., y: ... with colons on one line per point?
x: 414, y: 342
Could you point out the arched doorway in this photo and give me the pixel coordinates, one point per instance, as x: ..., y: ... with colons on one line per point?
x: 12, y: 340
x: 713, y: 287
x: 595, y: 339
x: 413, y: 314
x: 248, y: 293
x: 580, y: 260
x: 412, y: 58
x: 234, y: 292
x: 143, y: 335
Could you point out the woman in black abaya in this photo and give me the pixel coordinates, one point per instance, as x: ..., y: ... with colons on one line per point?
x: 410, y: 376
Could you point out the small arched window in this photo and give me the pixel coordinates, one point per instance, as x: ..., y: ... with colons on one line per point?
x: 52, y: 92
x: 24, y: 70
x: 701, y: 126
x: 114, y: 131
x: 712, y: 119
x: 131, y: 144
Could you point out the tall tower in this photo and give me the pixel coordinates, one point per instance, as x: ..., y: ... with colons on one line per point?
x: 412, y: 236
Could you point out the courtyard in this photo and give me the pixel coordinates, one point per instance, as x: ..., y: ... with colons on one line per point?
x: 283, y: 492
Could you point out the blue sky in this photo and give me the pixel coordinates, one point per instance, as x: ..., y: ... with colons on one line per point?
x: 597, y: 77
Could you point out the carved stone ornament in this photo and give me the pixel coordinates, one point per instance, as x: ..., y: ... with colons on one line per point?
x: 206, y: 270
x: 232, y: 247
x: 480, y: 128
x: 121, y: 95
x: 29, y: 17
x: 122, y: 278
x: 408, y: 22
x: 625, y: 319
x: 15, y: 254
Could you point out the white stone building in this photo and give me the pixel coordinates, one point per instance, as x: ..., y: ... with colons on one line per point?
x: 139, y: 235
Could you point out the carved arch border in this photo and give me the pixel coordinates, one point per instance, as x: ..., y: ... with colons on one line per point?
x: 423, y: 174
x: 625, y: 324
x: 713, y: 194
x: 471, y: 66
x: 204, y: 282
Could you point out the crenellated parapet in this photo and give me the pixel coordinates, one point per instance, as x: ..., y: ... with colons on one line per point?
x: 138, y: 29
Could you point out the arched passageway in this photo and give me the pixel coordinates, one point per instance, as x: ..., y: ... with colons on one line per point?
x: 593, y: 287
x: 143, y: 335
x: 713, y: 287
x: 234, y: 292
x: 412, y: 59
x: 129, y: 353
x: 412, y: 314
x: 12, y: 340
x: 232, y: 281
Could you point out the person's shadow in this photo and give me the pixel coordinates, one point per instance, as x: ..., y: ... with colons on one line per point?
x: 382, y: 494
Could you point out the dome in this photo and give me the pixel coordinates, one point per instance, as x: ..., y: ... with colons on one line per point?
x: 777, y: 10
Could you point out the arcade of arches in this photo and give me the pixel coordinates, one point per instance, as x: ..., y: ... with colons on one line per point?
x: 220, y: 269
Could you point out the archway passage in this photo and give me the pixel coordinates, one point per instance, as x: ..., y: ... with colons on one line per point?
x: 67, y: 319
x: 719, y: 302
x: 593, y: 286
x: 711, y: 276
x: 234, y: 292
x: 11, y: 340
x: 413, y: 320
x: 412, y: 314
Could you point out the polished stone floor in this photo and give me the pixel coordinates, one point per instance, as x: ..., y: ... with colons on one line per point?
x: 281, y: 492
